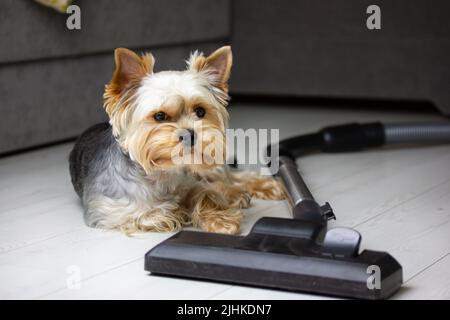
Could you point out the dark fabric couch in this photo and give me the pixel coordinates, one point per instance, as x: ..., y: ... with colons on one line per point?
x: 52, y: 79
x: 324, y: 49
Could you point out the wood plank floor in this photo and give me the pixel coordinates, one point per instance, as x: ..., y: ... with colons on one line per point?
x: 399, y: 199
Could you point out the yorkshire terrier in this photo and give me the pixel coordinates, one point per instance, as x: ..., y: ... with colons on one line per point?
x: 124, y: 171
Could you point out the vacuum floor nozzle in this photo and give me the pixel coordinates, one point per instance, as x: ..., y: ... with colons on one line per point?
x: 289, y: 262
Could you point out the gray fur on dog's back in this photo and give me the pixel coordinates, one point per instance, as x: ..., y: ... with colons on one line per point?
x: 87, y: 154
x: 99, y: 168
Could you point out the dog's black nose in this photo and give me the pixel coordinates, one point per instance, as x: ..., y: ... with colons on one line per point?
x: 188, y: 137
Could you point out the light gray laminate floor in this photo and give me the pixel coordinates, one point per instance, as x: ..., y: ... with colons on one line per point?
x: 399, y: 199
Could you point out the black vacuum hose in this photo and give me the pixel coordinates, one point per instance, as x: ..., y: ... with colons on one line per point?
x: 344, y: 138
x: 418, y: 133
x: 355, y: 136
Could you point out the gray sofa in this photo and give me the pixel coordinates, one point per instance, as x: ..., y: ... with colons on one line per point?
x: 52, y: 79
x: 324, y: 49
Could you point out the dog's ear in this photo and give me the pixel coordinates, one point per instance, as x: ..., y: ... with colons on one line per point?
x: 130, y: 67
x: 217, y: 66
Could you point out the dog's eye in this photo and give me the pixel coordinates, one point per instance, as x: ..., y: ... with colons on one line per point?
x: 160, y: 116
x: 200, y: 112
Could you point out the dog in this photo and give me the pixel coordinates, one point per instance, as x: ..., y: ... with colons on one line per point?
x: 124, y: 171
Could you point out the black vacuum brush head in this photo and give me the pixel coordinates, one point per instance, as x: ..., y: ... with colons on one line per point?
x: 275, y: 261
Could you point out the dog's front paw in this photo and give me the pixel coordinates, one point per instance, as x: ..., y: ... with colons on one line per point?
x: 226, y: 221
x: 239, y: 199
x: 266, y: 188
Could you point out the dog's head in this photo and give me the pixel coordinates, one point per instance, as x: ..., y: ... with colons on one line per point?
x: 170, y: 119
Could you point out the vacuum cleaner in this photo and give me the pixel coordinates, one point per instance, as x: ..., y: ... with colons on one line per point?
x: 299, y: 254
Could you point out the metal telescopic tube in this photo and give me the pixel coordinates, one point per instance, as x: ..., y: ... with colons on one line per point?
x: 292, y: 180
x: 304, y: 206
